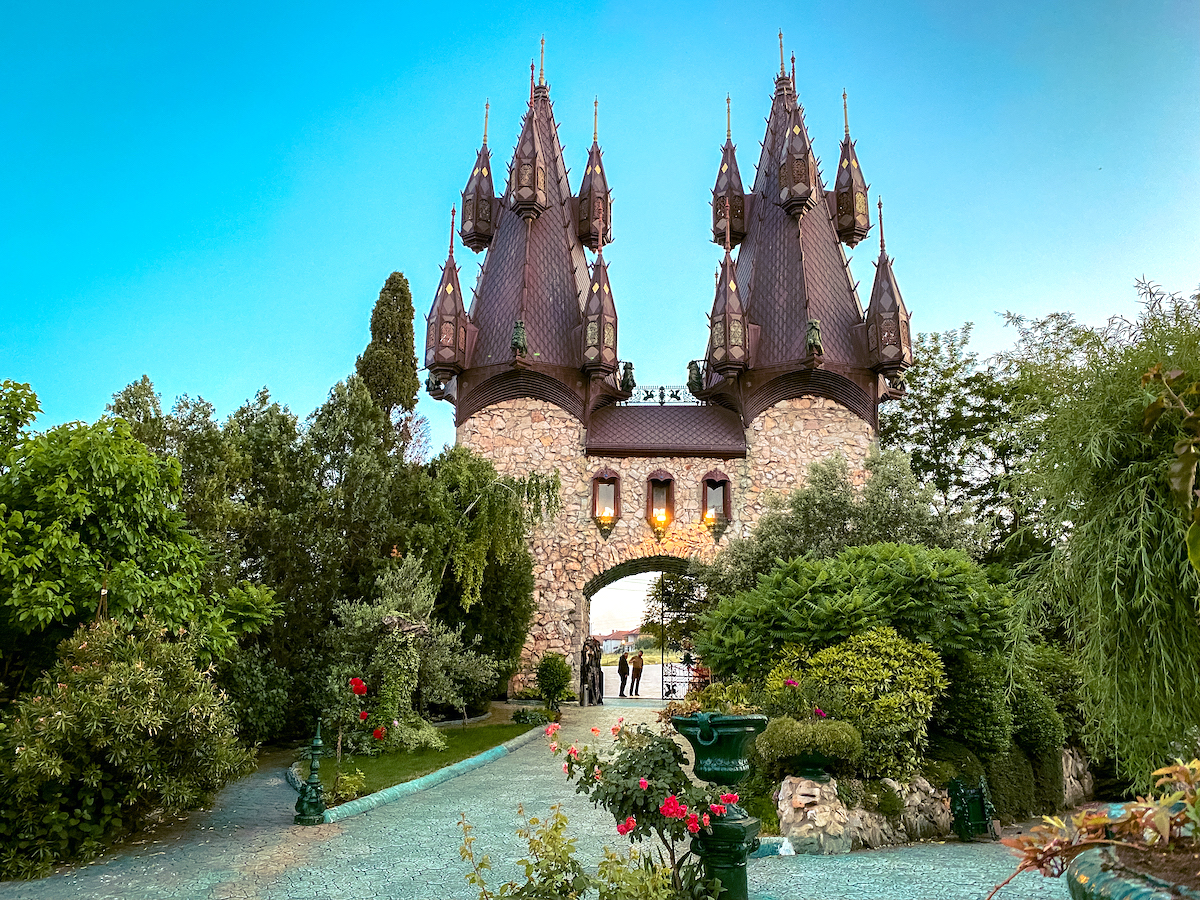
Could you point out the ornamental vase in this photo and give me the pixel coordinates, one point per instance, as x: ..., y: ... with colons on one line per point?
x: 721, y: 744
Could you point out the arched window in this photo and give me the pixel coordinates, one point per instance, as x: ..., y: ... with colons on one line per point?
x: 715, y: 502
x: 606, y: 500
x: 660, y: 502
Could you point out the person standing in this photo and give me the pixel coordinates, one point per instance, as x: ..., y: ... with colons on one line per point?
x: 623, y: 671
x: 635, y: 681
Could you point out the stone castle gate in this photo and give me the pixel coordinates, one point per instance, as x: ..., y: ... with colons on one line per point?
x: 794, y: 369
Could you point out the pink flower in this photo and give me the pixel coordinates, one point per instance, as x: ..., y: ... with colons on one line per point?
x: 672, y: 808
x: 554, y: 746
x: 627, y: 826
x: 362, y: 716
x: 820, y: 712
x: 620, y: 719
x: 693, y: 823
x: 616, y: 729
x: 704, y: 819
x: 565, y: 767
x: 729, y: 798
x: 596, y: 732
x: 792, y: 682
x: 358, y: 686
x: 717, y: 809
x: 596, y: 773
x: 643, y: 783
x: 552, y: 729
x: 573, y: 752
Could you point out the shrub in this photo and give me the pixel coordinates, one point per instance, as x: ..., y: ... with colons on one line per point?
x: 1060, y: 676
x: 883, y: 799
x: 947, y: 759
x: 530, y: 717
x: 1011, y: 780
x: 974, y: 709
x: 935, y: 597
x: 786, y: 738
x: 122, y: 724
x: 256, y: 692
x: 891, y: 684
x: 553, y: 679
x: 1037, y: 726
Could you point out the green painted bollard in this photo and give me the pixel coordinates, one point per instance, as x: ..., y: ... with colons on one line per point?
x: 310, y: 807
x: 722, y: 747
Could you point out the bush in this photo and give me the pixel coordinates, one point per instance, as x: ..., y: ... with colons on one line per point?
x: 883, y: 799
x: 947, y: 759
x: 935, y: 597
x: 256, y: 692
x: 1060, y: 676
x: 1037, y: 726
x: 123, y: 724
x: 786, y: 738
x: 891, y: 684
x: 1012, y: 782
x: 974, y: 709
x: 553, y: 679
x: 530, y: 717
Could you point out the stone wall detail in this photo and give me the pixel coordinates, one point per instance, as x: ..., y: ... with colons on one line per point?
x: 1078, y: 787
x: 524, y: 435
x: 816, y: 822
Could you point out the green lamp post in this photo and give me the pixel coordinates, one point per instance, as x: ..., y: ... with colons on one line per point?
x: 721, y: 744
x: 310, y: 806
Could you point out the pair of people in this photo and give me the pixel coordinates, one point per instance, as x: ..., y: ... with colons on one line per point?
x: 626, y: 669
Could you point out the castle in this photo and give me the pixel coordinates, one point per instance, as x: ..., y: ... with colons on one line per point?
x: 794, y: 369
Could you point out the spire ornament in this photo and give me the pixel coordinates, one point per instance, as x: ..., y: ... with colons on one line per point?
x: 542, y: 63
x: 479, y: 198
x: 729, y: 197
x: 782, y: 70
x: 593, y: 205
x: 449, y: 326
x: 889, y: 342
x: 851, y: 215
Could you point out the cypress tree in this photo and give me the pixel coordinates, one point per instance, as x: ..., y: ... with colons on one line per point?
x: 388, y: 365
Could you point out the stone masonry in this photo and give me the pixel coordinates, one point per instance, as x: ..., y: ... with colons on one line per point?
x: 525, y: 435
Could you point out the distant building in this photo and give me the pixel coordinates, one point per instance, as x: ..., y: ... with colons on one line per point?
x: 619, y: 641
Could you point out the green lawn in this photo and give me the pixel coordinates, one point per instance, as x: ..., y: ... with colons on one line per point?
x: 394, y: 768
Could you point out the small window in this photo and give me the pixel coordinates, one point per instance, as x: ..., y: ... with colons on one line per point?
x: 716, y: 501
x: 660, y: 501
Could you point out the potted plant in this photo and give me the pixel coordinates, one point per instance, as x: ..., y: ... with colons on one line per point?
x: 1151, y: 843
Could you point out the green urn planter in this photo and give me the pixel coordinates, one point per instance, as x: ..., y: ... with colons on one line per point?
x: 813, y: 765
x: 1099, y: 873
x: 722, y: 746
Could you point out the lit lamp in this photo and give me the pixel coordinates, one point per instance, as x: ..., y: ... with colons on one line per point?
x: 660, y: 523
x: 715, y: 522
x: 606, y: 520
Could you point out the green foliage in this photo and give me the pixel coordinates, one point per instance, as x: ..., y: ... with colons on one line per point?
x: 673, y: 608
x: 1037, y: 725
x: 388, y: 366
x: 256, y: 691
x: 891, y: 685
x: 347, y: 786
x: 553, y: 679
x: 525, y: 716
x: 961, y: 425
x: 935, y: 597
x: 828, y: 515
x: 122, y: 724
x: 947, y: 759
x: 18, y: 407
x: 1058, y: 674
x: 141, y: 407
x: 882, y: 798
x: 786, y: 738
x: 974, y: 709
x: 1011, y: 780
x: 1118, y: 580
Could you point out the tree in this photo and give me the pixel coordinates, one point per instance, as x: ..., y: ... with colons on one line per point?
x: 18, y: 407
x: 1118, y: 576
x: 828, y: 515
x: 960, y: 424
x: 674, y: 606
x: 141, y: 406
x: 388, y: 365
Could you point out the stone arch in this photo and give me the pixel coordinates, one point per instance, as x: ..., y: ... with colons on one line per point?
x: 672, y: 565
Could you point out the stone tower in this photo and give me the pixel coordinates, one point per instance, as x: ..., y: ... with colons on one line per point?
x: 794, y: 369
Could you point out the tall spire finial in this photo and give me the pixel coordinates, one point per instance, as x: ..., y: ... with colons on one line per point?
x: 531, y: 81
x: 782, y: 70
x: 882, y: 246
x: 452, y: 212
x: 486, y: 107
x: 542, y: 64
x: 793, y: 71
x: 728, y: 121
x: 846, y: 112
x: 596, y: 119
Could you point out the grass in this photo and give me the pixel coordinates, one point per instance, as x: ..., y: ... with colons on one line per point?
x: 395, y: 768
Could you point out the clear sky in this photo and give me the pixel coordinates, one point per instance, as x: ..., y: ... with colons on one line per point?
x: 213, y: 193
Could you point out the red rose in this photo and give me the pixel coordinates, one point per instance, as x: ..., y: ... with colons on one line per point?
x: 362, y: 716
x: 358, y: 686
x: 379, y: 733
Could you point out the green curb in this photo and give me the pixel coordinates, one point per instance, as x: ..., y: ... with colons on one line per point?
x: 400, y: 791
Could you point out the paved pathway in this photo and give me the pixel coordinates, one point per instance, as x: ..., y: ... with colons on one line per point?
x: 246, y: 848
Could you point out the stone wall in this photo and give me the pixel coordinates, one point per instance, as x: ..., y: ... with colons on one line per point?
x: 816, y: 822
x: 525, y: 435
x: 1077, y: 778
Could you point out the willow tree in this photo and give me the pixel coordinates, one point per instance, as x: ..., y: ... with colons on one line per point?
x: 1118, y: 577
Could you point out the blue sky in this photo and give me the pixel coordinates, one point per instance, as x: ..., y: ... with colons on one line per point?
x: 213, y: 193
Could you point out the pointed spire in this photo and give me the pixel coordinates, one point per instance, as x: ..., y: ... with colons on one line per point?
x: 889, y: 342
x: 782, y: 70
x: 852, y: 217
x: 527, y: 177
x: 727, y: 352
x: 593, y: 205
x: 447, y: 332
x: 599, y: 321
x: 531, y: 81
x: 478, y: 197
x: 542, y: 63
x: 728, y: 193
x: 793, y: 71
x: 797, y: 167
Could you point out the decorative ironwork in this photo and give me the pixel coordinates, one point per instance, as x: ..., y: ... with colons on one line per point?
x: 663, y: 395
x: 681, y: 677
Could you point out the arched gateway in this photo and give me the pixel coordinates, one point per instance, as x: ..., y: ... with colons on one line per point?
x: 794, y: 369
